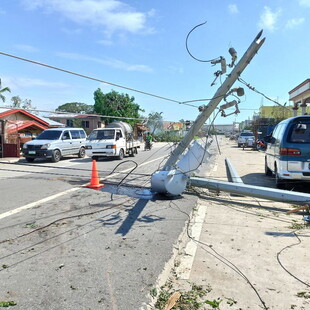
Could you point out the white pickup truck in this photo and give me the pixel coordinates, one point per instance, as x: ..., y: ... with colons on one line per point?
x: 115, y: 140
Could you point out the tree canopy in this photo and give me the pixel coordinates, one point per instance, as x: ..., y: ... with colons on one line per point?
x: 155, y: 121
x: 115, y: 104
x: 3, y: 90
x: 76, y: 107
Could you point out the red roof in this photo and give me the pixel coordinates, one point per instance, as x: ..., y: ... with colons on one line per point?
x: 34, y: 117
x: 13, y: 126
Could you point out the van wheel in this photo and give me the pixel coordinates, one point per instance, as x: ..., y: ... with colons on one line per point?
x: 56, y: 155
x: 121, y: 154
x: 280, y: 184
x: 81, y: 152
x: 268, y: 172
x: 29, y: 160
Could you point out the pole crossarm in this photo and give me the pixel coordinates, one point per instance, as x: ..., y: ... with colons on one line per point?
x: 252, y: 191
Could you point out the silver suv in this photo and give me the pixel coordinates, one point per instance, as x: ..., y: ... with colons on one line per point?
x: 55, y: 143
x: 246, y: 138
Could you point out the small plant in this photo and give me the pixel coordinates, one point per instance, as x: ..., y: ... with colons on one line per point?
x: 305, y: 295
x: 190, y: 300
x: 214, y: 304
x: 297, y: 226
x: 6, y: 304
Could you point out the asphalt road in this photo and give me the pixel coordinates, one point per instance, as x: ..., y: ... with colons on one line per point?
x: 64, y: 246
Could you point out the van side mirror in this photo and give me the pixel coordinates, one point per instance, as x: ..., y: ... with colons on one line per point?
x: 272, y: 140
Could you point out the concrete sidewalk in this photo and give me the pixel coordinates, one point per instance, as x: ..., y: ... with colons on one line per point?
x: 248, y: 252
x: 10, y: 159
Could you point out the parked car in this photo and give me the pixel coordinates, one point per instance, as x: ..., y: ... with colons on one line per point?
x: 55, y: 143
x: 246, y: 138
x: 288, y: 151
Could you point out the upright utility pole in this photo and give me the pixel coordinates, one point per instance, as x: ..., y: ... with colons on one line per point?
x: 172, y: 181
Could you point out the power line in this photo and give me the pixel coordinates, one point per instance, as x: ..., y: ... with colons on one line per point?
x: 94, y: 79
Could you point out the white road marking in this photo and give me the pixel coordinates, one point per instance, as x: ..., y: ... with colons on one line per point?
x: 36, y: 203
x: 187, y: 260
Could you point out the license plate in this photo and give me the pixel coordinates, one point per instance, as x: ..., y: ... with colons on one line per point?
x: 31, y: 152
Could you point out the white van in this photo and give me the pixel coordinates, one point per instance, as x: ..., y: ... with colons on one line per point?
x: 55, y: 143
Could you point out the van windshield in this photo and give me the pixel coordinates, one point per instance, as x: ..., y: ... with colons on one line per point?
x: 49, y: 135
x: 102, y: 135
x: 299, y: 133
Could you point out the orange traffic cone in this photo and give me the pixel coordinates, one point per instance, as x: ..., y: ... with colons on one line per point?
x: 94, y: 182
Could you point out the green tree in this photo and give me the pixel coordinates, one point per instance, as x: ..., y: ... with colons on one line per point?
x: 155, y: 121
x: 76, y: 107
x: 115, y: 104
x: 16, y: 102
x: 2, y: 91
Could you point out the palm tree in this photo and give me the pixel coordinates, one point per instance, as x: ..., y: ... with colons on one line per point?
x: 3, y: 90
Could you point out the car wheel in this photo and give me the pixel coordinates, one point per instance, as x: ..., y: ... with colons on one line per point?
x: 94, y: 158
x: 29, y: 160
x: 56, y: 155
x: 134, y: 152
x: 279, y: 182
x: 81, y: 152
x: 121, y: 154
x: 268, y: 172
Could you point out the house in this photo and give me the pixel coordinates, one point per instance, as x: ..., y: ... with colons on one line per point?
x: 87, y: 121
x: 18, y: 126
x: 300, y: 95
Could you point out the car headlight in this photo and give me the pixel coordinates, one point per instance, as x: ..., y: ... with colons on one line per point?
x: 111, y: 146
x: 88, y: 147
x: 45, y: 146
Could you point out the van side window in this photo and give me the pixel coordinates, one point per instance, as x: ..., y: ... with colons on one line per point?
x: 75, y: 134
x: 82, y: 134
x: 299, y: 133
x: 66, y: 135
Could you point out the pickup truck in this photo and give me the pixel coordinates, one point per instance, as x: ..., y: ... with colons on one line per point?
x: 115, y: 140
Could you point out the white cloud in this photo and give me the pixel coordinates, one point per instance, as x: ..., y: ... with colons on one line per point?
x: 294, y: 22
x: 268, y: 19
x: 108, y: 62
x: 26, y: 48
x: 18, y: 82
x: 233, y: 9
x: 305, y: 3
x: 108, y: 15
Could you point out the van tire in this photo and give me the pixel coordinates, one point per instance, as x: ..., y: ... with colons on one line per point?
x: 121, y: 154
x: 82, y: 152
x: 268, y: 172
x: 29, y: 160
x: 280, y: 184
x: 56, y: 155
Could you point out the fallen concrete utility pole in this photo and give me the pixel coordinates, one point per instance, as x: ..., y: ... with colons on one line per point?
x: 252, y: 191
x: 173, y: 181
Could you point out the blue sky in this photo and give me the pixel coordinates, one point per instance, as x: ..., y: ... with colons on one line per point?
x: 140, y: 44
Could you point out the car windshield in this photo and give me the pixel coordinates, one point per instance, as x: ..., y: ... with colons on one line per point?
x: 299, y: 133
x: 247, y: 134
x: 102, y: 135
x: 49, y: 135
